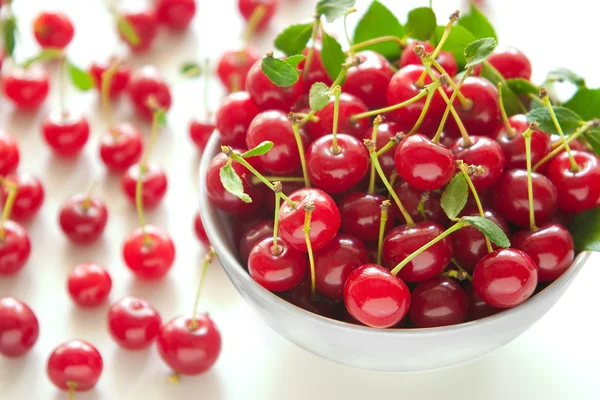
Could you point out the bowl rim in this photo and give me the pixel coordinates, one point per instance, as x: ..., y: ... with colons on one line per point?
x: 232, y: 265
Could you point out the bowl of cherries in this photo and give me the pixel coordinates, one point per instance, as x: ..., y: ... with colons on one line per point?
x: 410, y: 202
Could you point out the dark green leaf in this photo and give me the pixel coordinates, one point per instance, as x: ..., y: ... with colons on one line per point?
x: 294, y: 38
x: 566, y: 75
x: 332, y: 56
x: 80, y: 78
x: 44, y: 55
x: 593, y: 138
x: 568, y: 120
x: 161, y: 117
x: 456, y: 43
x: 9, y: 28
x: 421, y: 23
x: 586, y: 103
x: 454, y: 197
x: 585, y: 228
x: 489, y: 229
x: 377, y: 22
x: 295, y: 60
x: 262, y: 148
x: 333, y: 9
x: 477, y: 23
x: 521, y: 86
x: 191, y: 69
x: 319, y: 96
x: 512, y: 104
x: 127, y: 30
x: 279, y: 72
x: 479, y: 50
x: 232, y: 183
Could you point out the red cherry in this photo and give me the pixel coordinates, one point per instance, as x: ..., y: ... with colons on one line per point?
x: 512, y: 202
x: 121, y: 147
x: 551, y: 248
x: 444, y: 58
x: 199, y: 229
x: 27, y: 88
x: 411, y: 197
x: 505, y: 278
x: 247, y: 8
x: 145, y: 25
x: 385, y: 132
x: 325, y: 220
x: 438, y: 302
x: 375, y: 297
x: 337, y: 172
x: 89, y: 285
x: 259, y: 231
x: 267, y: 95
x: 147, y: 82
x: 133, y: 323
x: 511, y: 63
x: 30, y: 195
x: 19, y: 328
x: 53, y: 29
x: 154, y: 184
x: 514, y: 147
x: 83, y: 219
x: 424, y: 164
x: 484, y: 152
x: 403, y: 240
x: 234, y: 117
x: 334, y: 262
x: 189, y: 350
x: 119, y: 81
x: 176, y: 14
x: 233, y: 67
x: 349, y: 106
x: 9, y: 154
x: 14, y: 248
x: 477, y: 307
x: 317, y: 72
x: 200, y: 131
x: 577, y: 191
x: 66, y: 134
x: 277, y: 272
x: 149, y: 260
x: 361, y: 215
x: 75, y: 364
x: 370, y: 79
x: 302, y: 296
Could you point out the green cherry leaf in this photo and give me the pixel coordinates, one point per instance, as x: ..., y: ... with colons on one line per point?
x: 233, y: 183
x: 333, y: 9
x: 127, y: 30
x: 489, y: 229
x: 475, y: 22
x: 592, y: 137
x: 586, y: 103
x: 421, y: 23
x: 81, y: 79
x: 9, y: 29
x: 569, y: 121
x: 479, y: 51
x: 454, y: 198
x: 44, y: 55
x: 295, y: 60
x: 458, y: 39
x: 379, y: 21
x: 191, y: 69
x: 319, y: 96
x: 585, y: 228
x: 565, y: 75
x: 294, y: 38
x: 511, y: 101
x: 279, y: 72
x: 332, y: 55
x: 522, y: 86
x: 262, y: 148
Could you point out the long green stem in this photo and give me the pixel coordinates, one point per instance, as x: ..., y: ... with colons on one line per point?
x: 453, y: 18
x: 308, y: 210
x: 462, y: 270
x: 376, y: 123
x: 254, y: 180
x: 105, y: 83
x: 385, y: 205
x: 253, y: 22
x: 352, y: 10
x: 465, y: 103
x: 456, y: 91
x: 580, y: 131
x: 546, y: 101
x: 510, y: 131
x: 298, y: 137
x: 465, y: 172
x: 417, y: 124
x: 275, y: 250
x: 382, y: 39
x: 8, y: 205
x: 335, y: 149
x: 207, y: 260
x: 527, y: 137
x: 311, y: 50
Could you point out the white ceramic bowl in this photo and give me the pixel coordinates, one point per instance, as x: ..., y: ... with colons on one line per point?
x: 400, y: 350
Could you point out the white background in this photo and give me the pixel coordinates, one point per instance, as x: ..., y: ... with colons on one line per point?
x: 556, y: 359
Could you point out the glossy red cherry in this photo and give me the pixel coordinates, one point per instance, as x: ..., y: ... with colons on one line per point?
x: 276, y: 271
x: 337, y: 172
x: 176, y: 14
x: 199, y: 229
x: 325, y: 220
x: 234, y: 117
x: 302, y: 296
x: 477, y: 307
x: 361, y: 215
x: 444, y: 58
x: 514, y: 147
x: 505, y: 278
x: 76, y: 364
x: 511, y: 63
x: 26, y: 88
x: 145, y: 25
x: 336, y: 261
x: 577, y: 191
x: 121, y: 147
x: 150, y: 260
x: 66, y: 134
x: 30, y: 195
x: 375, y: 297
x: 259, y: 231
x: 403, y: 240
x: 551, y: 248
x: 248, y: 7
x: 349, y: 105
x: 200, y: 131
x: 19, y: 328
x: 14, y: 248
x: 154, y: 184
x: 147, y: 82
x: 511, y: 199
x: 233, y: 67
x: 119, y: 81
x: 133, y: 323
x: 370, y: 79
x: 317, y: 71
x: 189, y: 349
x: 484, y: 152
x: 423, y: 164
x: 385, y: 132
x: 411, y: 197
x: 439, y: 301
x: 53, y: 29
x: 89, y: 285
x: 267, y: 95
x: 83, y: 219
x: 9, y: 154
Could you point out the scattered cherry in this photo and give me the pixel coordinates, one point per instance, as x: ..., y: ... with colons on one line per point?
x: 200, y: 131
x: 75, y: 366
x: 248, y: 7
x: 369, y: 80
x: 277, y: 270
x: 82, y: 218
x: 234, y: 117
x: 152, y: 259
x: 119, y: 81
x: 9, y: 154
x: 511, y: 63
x: 176, y: 14
x: 145, y: 25
x: 27, y: 88
x: 19, y: 327
x: 484, y: 152
x: 144, y: 83
x: 267, y: 95
x: 154, y: 184
x: 29, y: 198
x: 199, y: 229
x: 133, y: 323
x: 53, y: 29
x: 121, y: 147
x: 15, y: 248
x: 233, y: 67
x: 361, y: 215
x: 65, y: 133
x: 89, y: 285
x: 438, y: 302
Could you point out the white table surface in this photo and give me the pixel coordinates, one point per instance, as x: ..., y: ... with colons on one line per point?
x: 556, y: 359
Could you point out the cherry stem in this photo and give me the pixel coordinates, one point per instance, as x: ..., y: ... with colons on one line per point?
x: 391, y: 143
x: 424, y: 110
x: 63, y: 87
x: 408, y: 259
x: 510, y: 131
x: 255, y: 181
x: 382, y: 39
x: 309, y: 207
x: 311, y: 50
x: 335, y: 149
x: 527, y: 138
x: 385, y: 205
x: 175, y: 378
x: 421, y: 205
x: 205, y: 88
x: 87, y: 202
x: 105, y: 81
x: 311, y: 118
x: 207, y: 260
x: 465, y: 103
x: 8, y: 205
x: 234, y: 82
x: 372, y: 152
x: 580, y: 131
x: 276, y: 250
x: 546, y: 100
x: 460, y: 275
x: 376, y: 123
x: 461, y: 269
x: 350, y: 11
x: 298, y: 137
x: 71, y: 386
x: 253, y: 22
x: 456, y: 92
